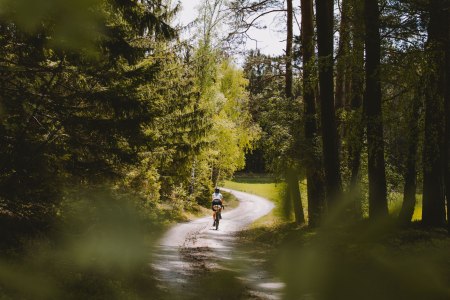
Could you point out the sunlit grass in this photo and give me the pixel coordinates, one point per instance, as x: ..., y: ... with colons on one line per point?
x: 267, y: 187
x: 395, y: 200
x: 270, y: 191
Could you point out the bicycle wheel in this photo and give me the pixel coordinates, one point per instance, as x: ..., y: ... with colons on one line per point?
x: 217, y: 220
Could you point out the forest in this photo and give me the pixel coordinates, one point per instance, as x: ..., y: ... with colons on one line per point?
x: 117, y: 122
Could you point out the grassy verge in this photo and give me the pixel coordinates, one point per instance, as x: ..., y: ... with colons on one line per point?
x: 359, y: 261
x: 267, y: 187
x: 263, y: 188
x: 230, y: 201
x: 269, y: 190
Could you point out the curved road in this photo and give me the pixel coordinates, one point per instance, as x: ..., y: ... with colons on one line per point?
x: 196, y: 247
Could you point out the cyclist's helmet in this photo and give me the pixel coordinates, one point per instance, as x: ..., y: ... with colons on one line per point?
x: 216, y: 190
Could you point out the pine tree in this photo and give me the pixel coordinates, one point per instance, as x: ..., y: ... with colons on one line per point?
x: 324, y: 12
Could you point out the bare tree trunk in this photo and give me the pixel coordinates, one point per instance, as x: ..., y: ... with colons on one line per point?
x: 372, y: 106
x: 295, y: 196
x: 342, y: 64
x: 324, y: 11
x: 289, y: 39
x: 355, y: 133
x: 292, y: 179
x: 447, y: 117
x: 314, y: 176
x: 409, y: 192
x: 433, y: 212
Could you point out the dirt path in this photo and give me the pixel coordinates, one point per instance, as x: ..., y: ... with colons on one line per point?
x: 190, y: 251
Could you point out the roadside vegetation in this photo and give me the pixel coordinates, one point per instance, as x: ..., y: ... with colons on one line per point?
x: 265, y: 187
x: 346, y: 260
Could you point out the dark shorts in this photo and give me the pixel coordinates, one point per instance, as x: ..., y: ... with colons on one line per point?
x: 215, y: 202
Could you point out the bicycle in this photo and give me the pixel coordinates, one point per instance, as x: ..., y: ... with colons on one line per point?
x: 218, y: 209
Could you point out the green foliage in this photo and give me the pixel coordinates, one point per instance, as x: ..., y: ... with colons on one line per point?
x: 279, y: 118
x: 100, y: 93
x: 101, y: 97
x: 71, y: 117
x: 225, y: 100
x: 98, y: 248
x: 233, y: 131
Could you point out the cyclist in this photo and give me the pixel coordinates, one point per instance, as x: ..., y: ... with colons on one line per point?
x: 217, y: 199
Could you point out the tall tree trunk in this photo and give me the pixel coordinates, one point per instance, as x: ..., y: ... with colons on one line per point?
x: 292, y: 179
x: 343, y: 67
x: 295, y: 196
x: 372, y: 106
x: 433, y: 212
x: 409, y: 191
x: 289, y: 39
x: 324, y: 19
x: 314, y: 177
x: 355, y: 133
x: 342, y: 60
x: 447, y: 117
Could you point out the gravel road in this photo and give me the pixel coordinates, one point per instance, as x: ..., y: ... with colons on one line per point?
x: 190, y: 250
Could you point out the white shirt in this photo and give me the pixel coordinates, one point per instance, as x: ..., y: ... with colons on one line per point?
x: 217, y: 196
